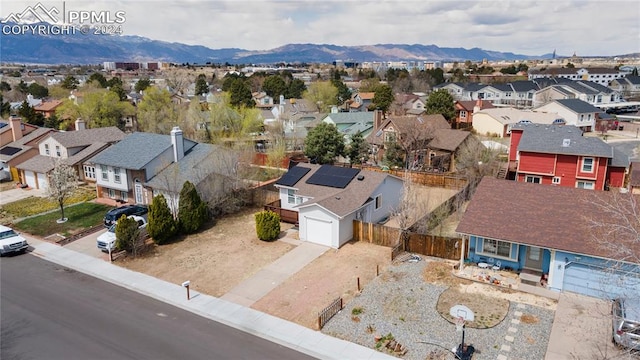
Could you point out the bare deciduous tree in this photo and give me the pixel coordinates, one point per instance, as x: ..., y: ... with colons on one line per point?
x: 62, y: 184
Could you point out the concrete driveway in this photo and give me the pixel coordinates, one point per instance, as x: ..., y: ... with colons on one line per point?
x: 581, y: 329
x: 11, y: 195
x: 88, y: 246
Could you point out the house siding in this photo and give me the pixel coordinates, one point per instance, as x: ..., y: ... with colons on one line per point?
x: 538, y: 164
x: 516, y: 135
x: 616, y: 177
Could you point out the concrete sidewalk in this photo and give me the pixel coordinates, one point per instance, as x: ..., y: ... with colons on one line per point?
x: 269, y: 277
x: 285, y: 333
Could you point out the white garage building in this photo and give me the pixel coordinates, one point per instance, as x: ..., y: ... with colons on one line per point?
x: 328, y: 198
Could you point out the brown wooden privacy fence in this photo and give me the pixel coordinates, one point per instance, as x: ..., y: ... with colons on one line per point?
x: 442, y: 180
x: 429, y: 245
x: 375, y: 234
x: 287, y: 216
x: 327, y: 313
x: 438, y: 246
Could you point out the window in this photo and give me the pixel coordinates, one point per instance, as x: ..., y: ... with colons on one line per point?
x: 497, y: 248
x: 533, y: 179
x: 291, y: 196
x: 112, y: 193
x: 463, y: 114
x: 58, y: 154
x: 389, y: 136
x: 116, y: 175
x: 124, y: 196
x: 581, y: 117
x: 46, y: 149
x: 105, y: 173
x: 89, y: 172
x: 585, y: 185
x: 378, y: 202
x: 587, y: 165
x: 556, y: 180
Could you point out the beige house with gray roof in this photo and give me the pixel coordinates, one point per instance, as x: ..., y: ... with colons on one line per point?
x: 73, y: 148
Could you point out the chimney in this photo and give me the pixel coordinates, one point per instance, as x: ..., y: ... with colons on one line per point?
x: 80, y: 124
x: 478, y: 106
x: 377, y: 119
x: 16, y: 127
x: 178, y: 143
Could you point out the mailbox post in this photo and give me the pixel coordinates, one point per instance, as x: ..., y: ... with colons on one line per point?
x: 186, y: 285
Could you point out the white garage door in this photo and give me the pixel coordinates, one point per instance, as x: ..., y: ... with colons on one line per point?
x: 30, y: 179
x: 318, y: 231
x: 42, y: 181
x: 597, y: 282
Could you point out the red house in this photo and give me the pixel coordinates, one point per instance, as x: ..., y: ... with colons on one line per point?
x: 560, y: 155
x: 465, y: 109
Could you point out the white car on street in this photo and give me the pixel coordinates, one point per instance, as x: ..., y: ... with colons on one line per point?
x: 11, y: 241
x: 107, y: 241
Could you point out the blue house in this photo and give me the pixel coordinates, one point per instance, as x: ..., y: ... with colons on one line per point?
x: 584, y: 241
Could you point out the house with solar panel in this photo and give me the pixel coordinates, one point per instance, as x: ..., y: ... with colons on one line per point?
x: 327, y: 199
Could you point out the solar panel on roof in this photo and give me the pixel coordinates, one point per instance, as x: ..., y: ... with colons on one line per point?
x: 9, y: 150
x: 293, y: 176
x: 333, y: 176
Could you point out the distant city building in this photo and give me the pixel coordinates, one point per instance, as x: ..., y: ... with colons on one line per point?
x: 110, y: 65
x: 601, y: 76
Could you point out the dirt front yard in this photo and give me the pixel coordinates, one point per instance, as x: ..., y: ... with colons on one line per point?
x: 214, y: 260
x: 332, y: 275
x: 225, y: 254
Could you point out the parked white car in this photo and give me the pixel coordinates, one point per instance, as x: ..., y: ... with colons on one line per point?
x: 107, y: 241
x: 11, y: 241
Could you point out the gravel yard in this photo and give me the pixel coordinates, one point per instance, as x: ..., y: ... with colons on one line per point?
x: 401, y: 303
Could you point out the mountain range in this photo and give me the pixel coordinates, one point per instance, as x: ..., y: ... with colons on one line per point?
x: 77, y: 48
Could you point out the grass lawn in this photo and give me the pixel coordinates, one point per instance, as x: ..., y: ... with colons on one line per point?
x: 81, y: 216
x: 37, y: 205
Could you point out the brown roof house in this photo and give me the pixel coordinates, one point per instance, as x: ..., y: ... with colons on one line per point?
x: 22, y: 147
x: 73, y: 148
x: 566, y: 234
x: 48, y: 108
x: 412, y: 133
x: 328, y: 198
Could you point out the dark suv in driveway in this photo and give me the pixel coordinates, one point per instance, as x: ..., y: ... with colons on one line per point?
x: 114, y: 214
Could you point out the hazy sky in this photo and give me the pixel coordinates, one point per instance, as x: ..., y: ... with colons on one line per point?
x: 586, y: 27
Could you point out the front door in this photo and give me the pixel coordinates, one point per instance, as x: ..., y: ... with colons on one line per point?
x: 534, y: 258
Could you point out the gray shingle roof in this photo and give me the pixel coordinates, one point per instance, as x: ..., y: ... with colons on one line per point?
x: 549, y: 139
x: 137, y: 150
x: 340, y: 201
x: 524, y: 86
x: 70, y: 139
x: 202, y: 161
x: 620, y: 159
x: 351, y: 117
x: 578, y: 106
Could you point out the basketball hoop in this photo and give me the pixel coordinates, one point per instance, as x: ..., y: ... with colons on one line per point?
x: 459, y: 321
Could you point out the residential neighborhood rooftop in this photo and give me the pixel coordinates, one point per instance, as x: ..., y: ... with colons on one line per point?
x: 561, y: 139
x: 546, y: 216
x: 137, y: 150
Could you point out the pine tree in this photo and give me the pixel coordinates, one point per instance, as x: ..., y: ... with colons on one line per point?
x: 162, y: 227
x: 192, y: 211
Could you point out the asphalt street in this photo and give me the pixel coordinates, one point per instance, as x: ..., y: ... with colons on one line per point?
x: 51, y: 312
